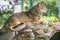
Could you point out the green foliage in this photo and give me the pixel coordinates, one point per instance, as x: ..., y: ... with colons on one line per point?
x: 52, y: 7
x: 27, y: 3
x: 50, y: 19
x: 5, y: 15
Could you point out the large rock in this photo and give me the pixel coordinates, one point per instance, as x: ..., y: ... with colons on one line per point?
x: 7, y: 36
x: 43, y: 31
x: 33, y: 31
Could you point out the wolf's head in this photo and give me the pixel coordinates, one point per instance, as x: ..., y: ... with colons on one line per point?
x: 38, y: 10
x: 41, y: 7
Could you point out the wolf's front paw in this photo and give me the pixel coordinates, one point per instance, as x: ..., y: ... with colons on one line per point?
x: 12, y: 29
x: 38, y: 21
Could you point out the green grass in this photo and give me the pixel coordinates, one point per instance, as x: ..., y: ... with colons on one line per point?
x: 50, y: 19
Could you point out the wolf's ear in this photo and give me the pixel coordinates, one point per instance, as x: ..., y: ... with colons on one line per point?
x: 40, y: 5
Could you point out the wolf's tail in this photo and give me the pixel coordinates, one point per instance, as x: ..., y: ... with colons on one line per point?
x: 2, y: 31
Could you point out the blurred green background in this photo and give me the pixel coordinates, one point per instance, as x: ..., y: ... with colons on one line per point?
x: 50, y: 16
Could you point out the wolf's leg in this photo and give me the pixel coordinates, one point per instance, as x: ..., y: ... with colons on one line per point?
x: 15, y: 22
